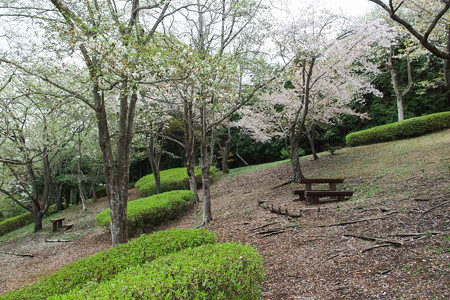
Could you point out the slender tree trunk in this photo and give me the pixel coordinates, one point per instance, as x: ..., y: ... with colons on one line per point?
x: 154, y: 157
x: 80, y: 177
x: 295, y: 161
x: 312, y: 141
x: 67, y: 196
x: 189, y: 141
x: 58, y: 200
x: 114, y: 186
x: 225, y: 153
x: 296, y: 130
x: 207, y: 215
x: 399, y: 94
x: 37, y: 215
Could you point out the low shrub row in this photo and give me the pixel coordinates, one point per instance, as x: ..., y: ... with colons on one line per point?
x: 105, y: 265
x: 15, y: 223
x: 151, y: 211
x: 220, y: 271
x: 172, y: 179
x: 400, y: 130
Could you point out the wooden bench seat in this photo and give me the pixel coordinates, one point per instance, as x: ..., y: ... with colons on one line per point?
x: 67, y: 226
x: 313, y: 196
x: 300, y: 193
x: 57, y: 223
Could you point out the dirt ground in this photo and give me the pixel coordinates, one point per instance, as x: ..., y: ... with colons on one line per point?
x: 390, y: 240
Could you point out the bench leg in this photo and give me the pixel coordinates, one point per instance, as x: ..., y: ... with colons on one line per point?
x: 312, y: 199
x: 55, y: 226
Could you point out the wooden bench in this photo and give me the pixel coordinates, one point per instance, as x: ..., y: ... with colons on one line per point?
x: 67, y: 226
x: 301, y: 195
x: 57, y: 223
x: 312, y: 196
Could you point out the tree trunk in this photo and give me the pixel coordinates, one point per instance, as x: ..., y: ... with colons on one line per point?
x: 295, y: 161
x: 447, y: 78
x: 114, y: 186
x: 37, y: 216
x: 207, y: 215
x: 399, y: 95
x: 154, y: 157
x: 225, y: 154
x: 189, y: 141
x: 312, y: 141
x: 80, y: 178
x: 58, y: 200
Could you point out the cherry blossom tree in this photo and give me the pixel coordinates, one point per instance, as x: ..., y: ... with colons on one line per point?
x: 33, y: 131
x: 219, y: 34
x: 329, y: 73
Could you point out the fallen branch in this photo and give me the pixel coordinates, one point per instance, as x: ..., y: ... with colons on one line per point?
x: 366, y: 238
x: 358, y: 221
x: 375, y: 247
x: 57, y: 241
x: 283, y: 184
x: 414, y: 234
x: 260, y: 227
x: 436, y: 206
x: 17, y: 254
x: 273, y: 233
x: 270, y: 231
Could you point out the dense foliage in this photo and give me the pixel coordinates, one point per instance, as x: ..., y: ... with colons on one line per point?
x: 399, y: 130
x: 172, y: 179
x: 221, y: 271
x: 153, y: 210
x: 105, y: 265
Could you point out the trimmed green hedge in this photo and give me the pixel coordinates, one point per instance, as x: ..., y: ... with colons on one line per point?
x: 172, y: 179
x: 400, y: 130
x: 105, y: 265
x: 151, y: 211
x: 15, y: 223
x: 221, y: 271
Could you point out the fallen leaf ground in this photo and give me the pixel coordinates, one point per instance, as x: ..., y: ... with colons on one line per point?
x: 396, y: 243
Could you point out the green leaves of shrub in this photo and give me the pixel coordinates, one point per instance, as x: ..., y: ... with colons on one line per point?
x: 15, y: 223
x: 105, y: 265
x: 221, y: 271
x: 400, y: 130
x: 172, y: 179
x: 151, y: 211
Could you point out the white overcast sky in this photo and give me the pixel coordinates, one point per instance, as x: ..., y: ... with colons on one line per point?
x: 350, y: 7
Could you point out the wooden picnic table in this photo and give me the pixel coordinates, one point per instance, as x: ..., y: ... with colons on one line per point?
x: 57, y: 223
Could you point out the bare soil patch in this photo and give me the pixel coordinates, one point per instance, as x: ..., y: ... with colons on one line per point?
x: 398, y: 247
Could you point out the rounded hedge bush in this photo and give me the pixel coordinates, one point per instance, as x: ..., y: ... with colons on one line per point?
x: 172, y: 179
x: 151, y: 211
x: 15, y: 223
x: 105, y: 265
x: 221, y: 271
x: 400, y: 130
